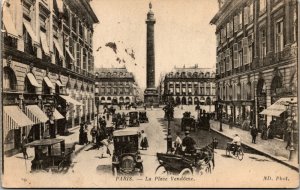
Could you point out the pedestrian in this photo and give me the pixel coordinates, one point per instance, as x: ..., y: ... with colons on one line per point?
x: 23, y: 147
x: 81, y: 134
x: 107, y: 116
x: 254, y: 133
x: 85, y: 134
x: 94, y: 134
x: 178, y: 143
x: 264, y: 134
x: 144, y: 141
x: 188, y: 142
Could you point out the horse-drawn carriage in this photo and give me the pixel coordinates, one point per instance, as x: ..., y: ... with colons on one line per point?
x: 143, y: 117
x: 126, y: 158
x: 51, y: 154
x: 188, y: 123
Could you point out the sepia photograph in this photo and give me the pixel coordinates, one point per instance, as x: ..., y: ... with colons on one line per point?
x: 149, y: 94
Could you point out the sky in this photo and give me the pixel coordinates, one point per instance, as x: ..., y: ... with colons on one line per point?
x: 183, y: 35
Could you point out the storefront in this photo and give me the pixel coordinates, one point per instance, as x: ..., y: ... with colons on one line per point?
x: 279, y: 114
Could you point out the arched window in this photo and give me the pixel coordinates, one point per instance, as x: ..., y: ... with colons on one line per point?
x: 9, y: 79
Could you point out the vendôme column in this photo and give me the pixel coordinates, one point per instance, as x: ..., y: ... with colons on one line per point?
x: 150, y: 94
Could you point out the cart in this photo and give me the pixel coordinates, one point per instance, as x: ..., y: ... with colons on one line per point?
x: 51, y: 154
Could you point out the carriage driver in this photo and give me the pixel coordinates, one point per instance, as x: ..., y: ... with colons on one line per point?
x: 236, y: 142
x: 189, y: 143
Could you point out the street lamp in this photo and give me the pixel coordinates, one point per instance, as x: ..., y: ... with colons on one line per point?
x: 220, y: 115
x: 168, y: 112
x: 291, y: 125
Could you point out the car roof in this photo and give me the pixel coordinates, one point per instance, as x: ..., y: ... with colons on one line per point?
x: 126, y: 132
x: 44, y: 142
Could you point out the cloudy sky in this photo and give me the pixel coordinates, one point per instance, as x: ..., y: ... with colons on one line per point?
x: 183, y: 35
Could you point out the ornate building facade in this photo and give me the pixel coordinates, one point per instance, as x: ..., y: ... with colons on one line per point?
x: 256, y: 57
x: 189, y: 86
x: 47, y: 68
x: 115, y: 86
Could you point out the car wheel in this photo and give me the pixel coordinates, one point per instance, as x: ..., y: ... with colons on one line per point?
x: 161, y: 171
x: 186, y: 172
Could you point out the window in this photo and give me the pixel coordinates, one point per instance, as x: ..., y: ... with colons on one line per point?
x: 28, y: 48
x: 236, y: 23
x: 235, y: 55
x: 246, y: 15
x: 9, y: 79
x: 263, y: 48
x: 78, y: 55
x: 240, y: 55
x: 251, y: 12
x: 245, y: 51
x: 262, y: 6
x: 295, y: 28
x: 240, y: 21
x: 279, y: 36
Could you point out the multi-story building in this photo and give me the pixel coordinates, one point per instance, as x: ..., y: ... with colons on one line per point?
x: 115, y: 86
x: 190, y: 86
x: 256, y: 57
x: 47, y: 66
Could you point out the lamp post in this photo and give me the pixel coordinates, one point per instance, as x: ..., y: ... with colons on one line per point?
x: 168, y: 111
x: 291, y: 126
x: 220, y: 116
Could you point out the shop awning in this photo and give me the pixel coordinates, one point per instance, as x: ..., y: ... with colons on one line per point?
x: 278, y: 107
x: 32, y: 80
x: 60, y: 52
x: 57, y: 115
x: 30, y: 31
x: 60, y: 5
x: 48, y: 82
x: 59, y: 83
x: 36, y: 115
x: 8, y: 23
x: 45, y: 45
x: 71, y: 100
x: 14, y: 118
x: 70, y: 54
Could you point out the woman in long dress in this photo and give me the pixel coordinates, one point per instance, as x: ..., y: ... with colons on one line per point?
x: 144, y: 141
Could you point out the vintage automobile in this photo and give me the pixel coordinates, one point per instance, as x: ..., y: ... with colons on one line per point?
x: 51, y: 154
x: 143, y: 117
x: 203, y: 121
x: 188, y: 123
x: 126, y: 158
x: 134, y: 119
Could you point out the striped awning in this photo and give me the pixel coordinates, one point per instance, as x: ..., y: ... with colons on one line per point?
x: 36, y: 114
x: 57, y: 115
x: 32, y: 80
x: 48, y: 82
x: 8, y: 23
x: 14, y: 118
x: 71, y: 100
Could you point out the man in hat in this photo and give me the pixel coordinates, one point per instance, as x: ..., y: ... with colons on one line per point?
x: 189, y: 143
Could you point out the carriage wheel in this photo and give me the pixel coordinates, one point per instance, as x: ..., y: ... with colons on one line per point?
x: 161, y: 171
x: 186, y: 172
x: 240, y: 154
x: 115, y: 171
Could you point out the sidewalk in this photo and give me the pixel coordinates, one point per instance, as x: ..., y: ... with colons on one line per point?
x: 272, y: 148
